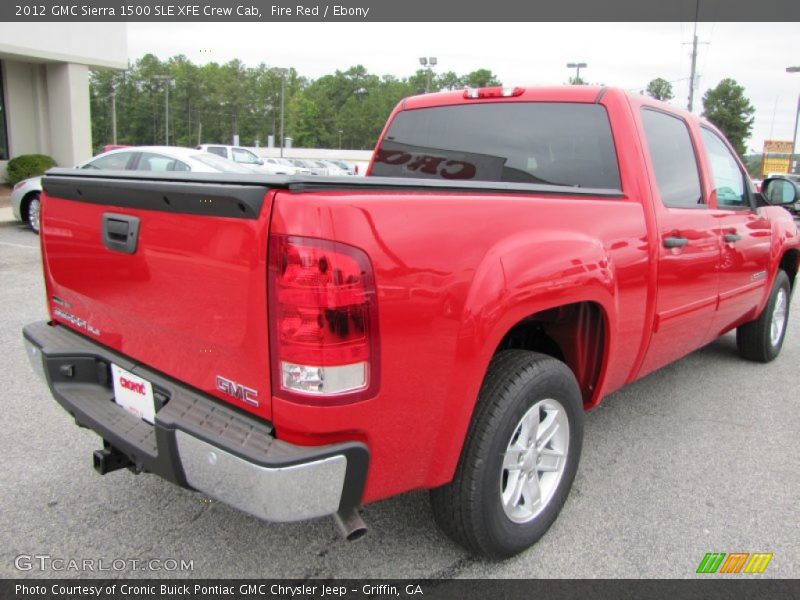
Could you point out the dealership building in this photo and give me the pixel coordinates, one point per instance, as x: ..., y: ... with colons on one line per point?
x: 44, y: 86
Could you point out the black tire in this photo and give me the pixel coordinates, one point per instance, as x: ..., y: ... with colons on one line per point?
x: 470, y: 508
x: 754, y: 339
x: 33, y: 213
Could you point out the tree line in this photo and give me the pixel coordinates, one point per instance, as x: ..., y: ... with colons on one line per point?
x: 212, y: 103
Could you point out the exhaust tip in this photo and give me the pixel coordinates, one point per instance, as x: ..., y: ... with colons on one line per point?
x: 350, y: 525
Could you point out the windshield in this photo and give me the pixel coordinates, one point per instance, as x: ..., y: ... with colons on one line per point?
x: 527, y: 142
x: 220, y: 164
x: 241, y: 155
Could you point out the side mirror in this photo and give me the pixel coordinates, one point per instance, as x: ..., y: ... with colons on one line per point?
x: 778, y: 191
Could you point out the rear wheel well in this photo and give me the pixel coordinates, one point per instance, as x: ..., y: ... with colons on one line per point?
x: 574, y: 334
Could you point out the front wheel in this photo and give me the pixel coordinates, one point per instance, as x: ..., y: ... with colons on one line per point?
x: 519, y: 459
x: 761, y: 340
x: 34, y: 213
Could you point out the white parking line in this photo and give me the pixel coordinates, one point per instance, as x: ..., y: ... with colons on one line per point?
x: 18, y: 245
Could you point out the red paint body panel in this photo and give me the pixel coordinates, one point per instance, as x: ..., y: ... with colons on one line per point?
x: 454, y: 272
x: 448, y: 293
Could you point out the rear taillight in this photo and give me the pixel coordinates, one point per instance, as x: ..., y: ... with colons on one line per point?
x: 323, y: 321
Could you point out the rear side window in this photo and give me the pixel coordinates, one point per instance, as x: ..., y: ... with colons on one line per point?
x: 116, y: 161
x: 673, y: 158
x: 159, y: 163
x: 525, y: 142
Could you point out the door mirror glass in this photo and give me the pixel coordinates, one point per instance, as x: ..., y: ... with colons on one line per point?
x: 779, y: 191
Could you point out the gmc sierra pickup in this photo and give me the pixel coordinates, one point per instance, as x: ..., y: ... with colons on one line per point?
x: 298, y: 347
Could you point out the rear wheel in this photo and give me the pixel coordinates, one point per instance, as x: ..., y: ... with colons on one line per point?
x: 519, y: 459
x: 34, y: 211
x: 761, y: 340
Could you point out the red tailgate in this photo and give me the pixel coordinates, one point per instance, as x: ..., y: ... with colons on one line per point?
x: 190, y: 301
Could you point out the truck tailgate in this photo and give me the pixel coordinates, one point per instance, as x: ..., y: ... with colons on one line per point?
x: 171, y: 274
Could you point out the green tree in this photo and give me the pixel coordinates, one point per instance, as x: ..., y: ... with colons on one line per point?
x: 727, y: 107
x: 480, y: 78
x: 660, y: 89
x: 448, y: 80
x: 753, y: 164
x: 211, y: 103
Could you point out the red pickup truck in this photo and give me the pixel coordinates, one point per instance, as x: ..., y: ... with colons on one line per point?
x: 298, y: 347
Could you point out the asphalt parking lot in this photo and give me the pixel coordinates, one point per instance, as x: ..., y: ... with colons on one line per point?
x: 698, y: 457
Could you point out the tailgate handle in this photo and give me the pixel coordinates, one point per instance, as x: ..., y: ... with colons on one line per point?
x: 120, y: 232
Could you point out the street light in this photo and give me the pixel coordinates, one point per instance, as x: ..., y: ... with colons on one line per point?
x: 282, y: 72
x: 428, y: 62
x: 792, y: 163
x: 340, y: 139
x: 577, y: 67
x: 167, y: 81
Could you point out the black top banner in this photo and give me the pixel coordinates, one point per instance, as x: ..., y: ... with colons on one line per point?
x: 402, y: 10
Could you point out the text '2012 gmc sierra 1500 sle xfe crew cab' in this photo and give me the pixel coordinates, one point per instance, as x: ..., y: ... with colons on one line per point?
x: 298, y: 347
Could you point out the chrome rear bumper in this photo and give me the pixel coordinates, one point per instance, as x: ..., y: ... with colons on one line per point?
x: 197, y: 441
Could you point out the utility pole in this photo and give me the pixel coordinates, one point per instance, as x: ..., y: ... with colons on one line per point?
x: 167, y: 81
x: 114, y: 116
x: 282, y: 71
x: 694, y: 64
x: 283, y: 108
x: 693, y: 77
x: 792, y: 165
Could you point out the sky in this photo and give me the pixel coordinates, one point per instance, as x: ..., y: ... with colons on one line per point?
x: 626, y: 55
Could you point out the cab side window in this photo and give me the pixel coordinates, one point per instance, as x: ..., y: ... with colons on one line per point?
x: 728, y: 177
x: 673, y: 158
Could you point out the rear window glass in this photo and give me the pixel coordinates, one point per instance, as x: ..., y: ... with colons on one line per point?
x: 541, y: 142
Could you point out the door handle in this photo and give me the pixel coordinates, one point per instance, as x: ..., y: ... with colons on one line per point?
x: 674, y: 241
x: 732, y: 237
x: 120, y: 232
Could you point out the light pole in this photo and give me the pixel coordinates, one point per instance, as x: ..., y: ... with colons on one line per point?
x: 428, y: 62
x: 792, y: 165
x: 577, y: 67
x: 282, y: 72
x: 340, y: 139
x: 167, y: 81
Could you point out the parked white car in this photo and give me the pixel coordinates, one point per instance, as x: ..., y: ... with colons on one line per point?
x: 346, y: 167
x: 243, y: 156
x: 333, y: 168
x: 285, y: 163
x: 25, y: 197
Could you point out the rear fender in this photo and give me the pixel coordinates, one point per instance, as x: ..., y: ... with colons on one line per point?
x: 516, y: 279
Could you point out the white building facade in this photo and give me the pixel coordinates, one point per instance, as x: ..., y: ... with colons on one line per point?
x: 44, y: 86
